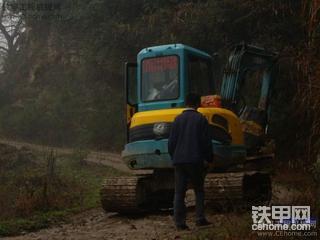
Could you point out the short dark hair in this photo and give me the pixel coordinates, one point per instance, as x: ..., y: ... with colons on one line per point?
x: 193, y: 100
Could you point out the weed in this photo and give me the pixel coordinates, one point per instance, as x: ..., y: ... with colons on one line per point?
x: 47, y: 188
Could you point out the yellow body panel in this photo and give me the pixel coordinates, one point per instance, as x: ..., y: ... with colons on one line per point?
x: 168, y: 115
x: 130, y: 112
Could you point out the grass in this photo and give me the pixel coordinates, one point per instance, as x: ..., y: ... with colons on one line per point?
x: 71, y: 185
x: 229, y: 226
x: 301, y: 183
x: 36, y: 221
x: 48, y: 189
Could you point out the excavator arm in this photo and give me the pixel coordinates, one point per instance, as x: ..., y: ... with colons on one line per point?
x: 246, y: 89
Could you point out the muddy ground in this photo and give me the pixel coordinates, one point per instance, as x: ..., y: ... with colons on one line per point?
x: 95, y: 224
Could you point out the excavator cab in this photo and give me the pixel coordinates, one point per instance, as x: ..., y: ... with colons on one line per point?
x: 165, y: 74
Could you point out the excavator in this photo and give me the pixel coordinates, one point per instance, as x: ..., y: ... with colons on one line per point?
x: 238, y: 112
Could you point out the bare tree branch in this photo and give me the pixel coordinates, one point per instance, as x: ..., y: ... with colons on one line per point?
x: 3, y: 48
x: 3, y: 9
x: 3, y: 42
x: 17, y: 42
x: 17, y: 28
x: 4, y: 32
x: 11, y: 27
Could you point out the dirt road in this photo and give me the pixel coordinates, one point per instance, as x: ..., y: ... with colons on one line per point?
x: 104, y: 158
x: 95, y: 224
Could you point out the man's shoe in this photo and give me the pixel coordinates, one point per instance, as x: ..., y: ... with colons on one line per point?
x: 203, y: 222
x: 182, y: 227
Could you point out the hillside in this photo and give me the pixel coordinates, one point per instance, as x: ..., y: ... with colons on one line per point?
x: 65, y: 84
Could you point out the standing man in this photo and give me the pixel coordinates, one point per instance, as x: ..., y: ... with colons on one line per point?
x: 190, y: 146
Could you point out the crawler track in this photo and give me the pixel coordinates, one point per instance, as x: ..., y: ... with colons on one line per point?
x: 222, y: 187
x: 238, y: 189
x: 235, y: 190
x: 123, y: 194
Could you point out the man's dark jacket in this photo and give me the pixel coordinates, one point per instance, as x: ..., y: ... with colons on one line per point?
x: 189, y: 140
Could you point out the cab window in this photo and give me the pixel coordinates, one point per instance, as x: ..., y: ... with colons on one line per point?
x: 160, y: 78
x: 200, y: 76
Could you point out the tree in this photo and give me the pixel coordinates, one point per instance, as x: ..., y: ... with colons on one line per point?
x: 11, y: 30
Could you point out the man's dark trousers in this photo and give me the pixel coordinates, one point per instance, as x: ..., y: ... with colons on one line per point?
x: 194, y: 174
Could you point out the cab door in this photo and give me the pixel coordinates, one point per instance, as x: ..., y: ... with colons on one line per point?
x: 131, y: 93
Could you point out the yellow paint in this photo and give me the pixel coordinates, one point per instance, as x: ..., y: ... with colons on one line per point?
x: 130, y: 112
x: 168, y: 115
x: 252, y: 128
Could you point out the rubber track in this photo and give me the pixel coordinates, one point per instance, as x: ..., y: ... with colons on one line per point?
x: 223, y: 187
x: 121, y: 194
x: 228, y: 190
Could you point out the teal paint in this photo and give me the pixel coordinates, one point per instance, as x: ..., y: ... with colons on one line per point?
x: 147, y: 154
x: 180, y: 50
x: 265, y: 89
x: 151, y: 154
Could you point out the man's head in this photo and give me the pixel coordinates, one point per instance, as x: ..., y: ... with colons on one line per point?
x: 193, y: 100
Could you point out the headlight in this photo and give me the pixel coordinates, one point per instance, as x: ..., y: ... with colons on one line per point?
x: 159, y: 129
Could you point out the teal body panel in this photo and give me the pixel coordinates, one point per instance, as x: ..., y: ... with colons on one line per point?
x: 147, y: 154
x: 179, y: 50
x: 153, y: 154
